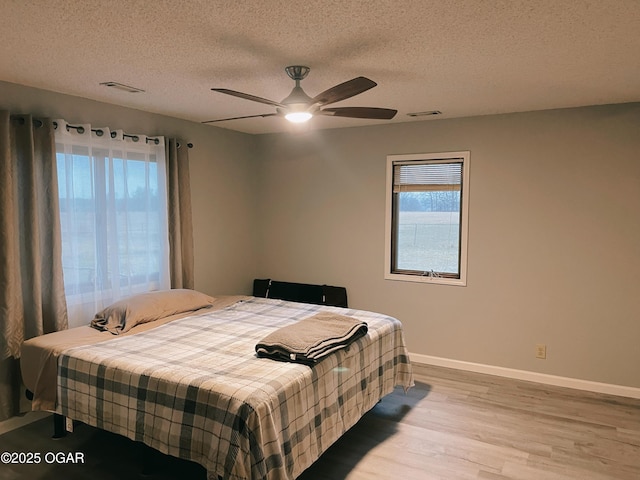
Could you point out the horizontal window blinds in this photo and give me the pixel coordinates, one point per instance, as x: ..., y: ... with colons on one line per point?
x: 427, y: 176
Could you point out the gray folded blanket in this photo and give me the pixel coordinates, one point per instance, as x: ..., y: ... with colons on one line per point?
x: 311, y: 339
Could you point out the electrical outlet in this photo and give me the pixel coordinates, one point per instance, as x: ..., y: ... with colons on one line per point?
x: 541, y: 351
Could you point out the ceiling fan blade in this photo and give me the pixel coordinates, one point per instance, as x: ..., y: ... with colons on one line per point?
x: 344, y: 90
x: 238, y: 118
x: 360, y: 112
x: 246, y: 96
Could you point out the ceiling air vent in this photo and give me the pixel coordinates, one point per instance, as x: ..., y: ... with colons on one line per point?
x: 122, y: 86
x: 429, y: 113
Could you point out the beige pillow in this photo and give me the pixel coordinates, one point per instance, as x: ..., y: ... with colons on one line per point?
x: 125, y: 314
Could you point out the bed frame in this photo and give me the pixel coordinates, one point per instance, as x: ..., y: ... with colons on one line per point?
x: 375, y: 364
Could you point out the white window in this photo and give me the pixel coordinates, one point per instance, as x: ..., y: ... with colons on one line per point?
x: 113, y: 216
x: 426, y: 218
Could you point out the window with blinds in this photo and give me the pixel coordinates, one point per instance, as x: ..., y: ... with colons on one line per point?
x: 427, y: 198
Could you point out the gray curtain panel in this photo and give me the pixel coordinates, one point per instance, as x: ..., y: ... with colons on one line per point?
x: 32, y: 300
x: 180, y: 222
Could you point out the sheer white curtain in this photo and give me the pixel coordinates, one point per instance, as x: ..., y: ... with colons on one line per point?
x: 113, y: 214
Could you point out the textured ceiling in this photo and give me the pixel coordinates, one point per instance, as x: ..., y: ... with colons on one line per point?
x: 464, y: 58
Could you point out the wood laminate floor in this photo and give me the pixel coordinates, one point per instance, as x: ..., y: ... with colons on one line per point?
x: 462, y: 425
x: 452, y: 425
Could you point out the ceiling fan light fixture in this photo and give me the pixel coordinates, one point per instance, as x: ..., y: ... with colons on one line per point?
x: 298, y: 112
x: 298, y: 117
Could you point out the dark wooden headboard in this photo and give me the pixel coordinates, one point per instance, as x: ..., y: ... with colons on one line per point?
x: 300, y: 292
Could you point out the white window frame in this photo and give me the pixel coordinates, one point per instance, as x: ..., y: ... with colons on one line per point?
x: 464, y: 218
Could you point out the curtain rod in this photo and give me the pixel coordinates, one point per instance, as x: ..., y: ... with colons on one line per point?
x: 99, y: 132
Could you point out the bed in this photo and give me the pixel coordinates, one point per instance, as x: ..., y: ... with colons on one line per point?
x: 190, y: 384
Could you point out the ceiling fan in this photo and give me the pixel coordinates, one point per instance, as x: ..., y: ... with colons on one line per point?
x: 299, y: 107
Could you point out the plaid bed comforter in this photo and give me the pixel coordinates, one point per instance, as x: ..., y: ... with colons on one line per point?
x: 195, y: 389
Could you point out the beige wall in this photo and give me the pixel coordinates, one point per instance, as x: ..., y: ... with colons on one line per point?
x: 554, y: 235
x: 222, y: 179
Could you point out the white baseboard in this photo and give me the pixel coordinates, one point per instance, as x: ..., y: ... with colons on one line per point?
x: 621, y: 390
